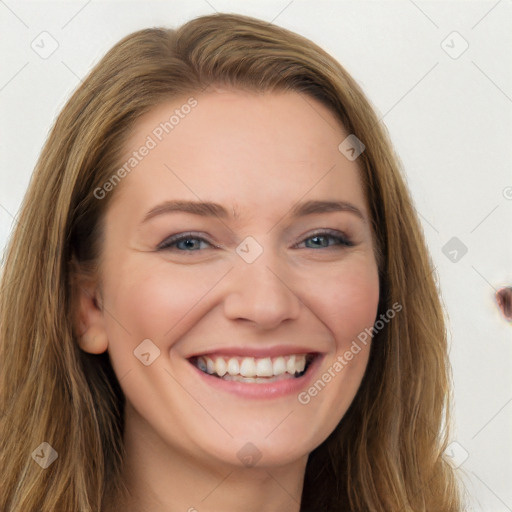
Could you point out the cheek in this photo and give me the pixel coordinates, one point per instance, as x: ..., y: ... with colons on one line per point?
x: 350, y: 302
x: 153, y: 302
x: 347, y: 306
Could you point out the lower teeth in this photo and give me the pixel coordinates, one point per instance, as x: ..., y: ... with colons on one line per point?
x: 261, y: 380
x: 239, y: 378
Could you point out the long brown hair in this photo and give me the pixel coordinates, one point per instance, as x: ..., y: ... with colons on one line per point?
x: 387, y: 452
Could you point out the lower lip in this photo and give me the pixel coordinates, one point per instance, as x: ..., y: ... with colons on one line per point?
x: 261, y: 390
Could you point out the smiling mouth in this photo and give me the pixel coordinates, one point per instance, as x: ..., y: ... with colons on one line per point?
x: 254, y: 369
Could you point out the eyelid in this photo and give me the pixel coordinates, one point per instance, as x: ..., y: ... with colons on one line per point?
x: 342, y: 237
x: 182, y: 236
x: 334, y: 233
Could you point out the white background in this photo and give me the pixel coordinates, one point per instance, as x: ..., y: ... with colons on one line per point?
x: 450, y: 121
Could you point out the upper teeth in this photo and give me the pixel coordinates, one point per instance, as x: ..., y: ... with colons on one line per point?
x: 252, y: 367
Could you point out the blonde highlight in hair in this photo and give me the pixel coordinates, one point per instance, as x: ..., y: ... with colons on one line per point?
x: 386, y: 453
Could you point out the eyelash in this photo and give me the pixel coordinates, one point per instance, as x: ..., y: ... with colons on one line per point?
x: 334, y: 235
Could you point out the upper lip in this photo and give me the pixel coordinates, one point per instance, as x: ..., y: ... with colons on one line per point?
x: 258, y: 352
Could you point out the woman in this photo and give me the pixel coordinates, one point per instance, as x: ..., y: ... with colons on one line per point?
x: 175, y: 331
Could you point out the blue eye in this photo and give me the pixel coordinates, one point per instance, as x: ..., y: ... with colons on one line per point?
x: 323, y: 237
x: 191, y: 242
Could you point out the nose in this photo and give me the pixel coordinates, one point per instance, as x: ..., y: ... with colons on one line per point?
x: 261, y: 292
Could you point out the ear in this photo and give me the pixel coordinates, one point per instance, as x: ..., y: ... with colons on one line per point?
x: 90, y: 320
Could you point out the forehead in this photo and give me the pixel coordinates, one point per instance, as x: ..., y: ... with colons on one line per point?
x: 242, y: 149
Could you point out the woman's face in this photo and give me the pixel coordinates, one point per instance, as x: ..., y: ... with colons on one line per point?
x: 263, y: 281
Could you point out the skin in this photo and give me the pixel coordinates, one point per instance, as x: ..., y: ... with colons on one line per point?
x: 258, y: 154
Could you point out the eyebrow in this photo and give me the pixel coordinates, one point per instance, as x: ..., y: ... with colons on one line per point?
x: 209, y: 209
